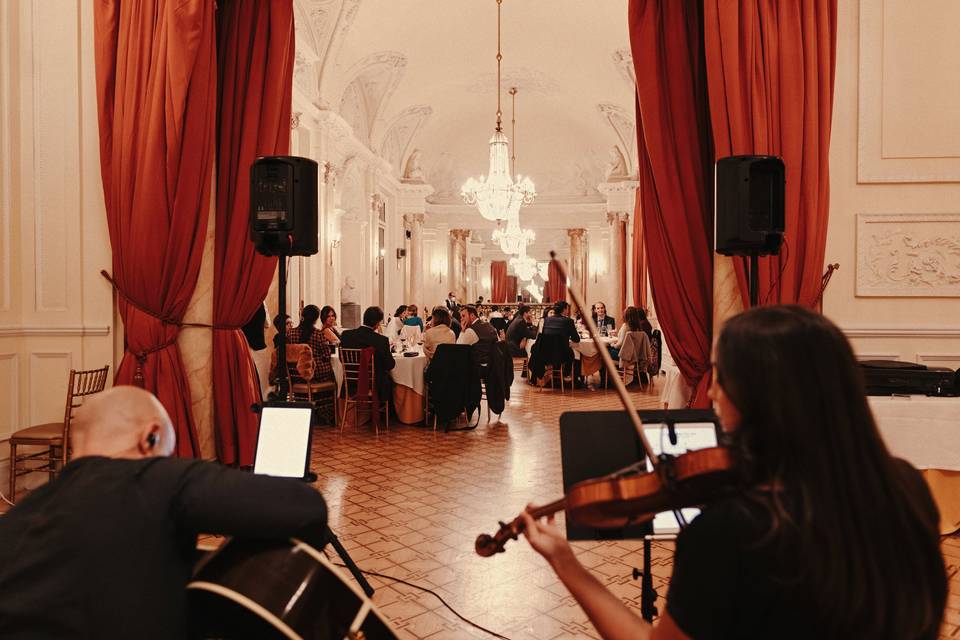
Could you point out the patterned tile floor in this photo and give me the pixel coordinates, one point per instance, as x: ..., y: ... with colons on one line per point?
x: 409, y: 504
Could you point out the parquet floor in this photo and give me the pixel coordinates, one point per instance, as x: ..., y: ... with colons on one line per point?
x: 409, y: 504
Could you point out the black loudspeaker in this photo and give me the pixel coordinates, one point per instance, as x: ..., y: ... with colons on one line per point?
x: 283, y: 206
x: 749, y: 205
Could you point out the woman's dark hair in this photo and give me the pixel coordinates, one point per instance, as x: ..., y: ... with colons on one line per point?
x: 559, y: 307
x: 412, y: 309
x: 280, y: 322
x: 441, y: 315
x: 400, y: 309
x: 866, y: 535
x: 631, y: 315
x: 308, y: 320
x: 325, y: 313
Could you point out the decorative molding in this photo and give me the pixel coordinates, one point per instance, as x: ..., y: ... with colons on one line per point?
x: 938, y: 357
x: 11, y: 386
x: 295, y: 119
x: 873, y: 165
x: 47, y: 381
x: 901, y: 332
x: 623, y: 60
x: 908, y: 255
x: 397, y: 144
x: 64, y: 331
x: 530, y: 81
x: 624, y: 127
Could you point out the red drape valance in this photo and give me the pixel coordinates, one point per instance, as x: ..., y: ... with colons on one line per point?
x: 555, y: 288
x: 771, y: 68
x: 156, y: 100
x: 255, y: 53
x: 499, y: 285
x: 676, y: 178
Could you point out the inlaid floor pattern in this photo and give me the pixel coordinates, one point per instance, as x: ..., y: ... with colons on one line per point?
x: 410, y: 502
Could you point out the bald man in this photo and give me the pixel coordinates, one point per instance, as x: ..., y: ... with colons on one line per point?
x: 106, y: 550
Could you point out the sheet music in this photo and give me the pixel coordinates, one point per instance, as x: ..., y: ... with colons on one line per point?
x: 690, y: 437
x: 282, y: 442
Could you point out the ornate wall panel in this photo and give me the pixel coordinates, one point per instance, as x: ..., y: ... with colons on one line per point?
x: 48, y: 375
x: 911, y: 255
x: 9, y: 393
x: 909, y: 115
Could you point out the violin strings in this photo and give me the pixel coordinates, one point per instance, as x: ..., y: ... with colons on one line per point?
x: 434, y: 594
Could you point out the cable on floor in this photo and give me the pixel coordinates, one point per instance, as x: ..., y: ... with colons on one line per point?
x: 433, y: 593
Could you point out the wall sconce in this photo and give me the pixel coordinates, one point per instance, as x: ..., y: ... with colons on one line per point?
x: 438, y: 266
x: 334, y: 244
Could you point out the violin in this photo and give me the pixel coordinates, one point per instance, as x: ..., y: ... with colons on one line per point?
x: 631, y: 495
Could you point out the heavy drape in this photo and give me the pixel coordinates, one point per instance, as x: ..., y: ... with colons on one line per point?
x: 512, y: 288
x: 255, y: 54
x: 639, y: 258
x: 156, y: 99
x: 555, y: 288
x: 498, y: 281
x: 770, y: 73
x: 676, y: 178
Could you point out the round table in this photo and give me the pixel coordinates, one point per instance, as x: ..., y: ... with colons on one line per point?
x: 585, y: 351
x: 408, y: 385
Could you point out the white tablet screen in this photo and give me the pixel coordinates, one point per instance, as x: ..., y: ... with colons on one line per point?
x: 282, y: 442
x: 690, y: 437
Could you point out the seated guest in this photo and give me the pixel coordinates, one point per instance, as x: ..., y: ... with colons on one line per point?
x: 438, y: 333
x: 368, y: 335
x: 307, y: 333
x: 817, y: 489
x: 395, y: 324
x: 519, y: 331
x: 547, y: 312
x: 412, y: 319
x: 328, y: 322
x: 107, y: 548
x: 601, y: 319
x: 560, y: 322
x: 455, y: 322
x: 495, y: 312
x: 282, y: 324
x: 631, y: 322
x: 477, y: 332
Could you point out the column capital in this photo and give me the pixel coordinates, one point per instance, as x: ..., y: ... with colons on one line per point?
x: 614, y: 217
x: 576, y: 233
x: 620, y: 196
x: 411, y: 219
x: 460, y: 234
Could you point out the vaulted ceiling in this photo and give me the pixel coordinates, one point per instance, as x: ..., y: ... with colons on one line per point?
x: 421, y: 74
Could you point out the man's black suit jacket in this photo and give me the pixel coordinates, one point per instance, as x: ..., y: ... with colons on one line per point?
x: 363, y: 337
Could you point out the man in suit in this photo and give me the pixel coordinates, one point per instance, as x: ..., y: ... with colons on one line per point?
x: 560, y: 323
x: 478, y: 333
x: 519, y: 331
x: 451, y: 302
x: 602, y: 320
x: 368, y: 335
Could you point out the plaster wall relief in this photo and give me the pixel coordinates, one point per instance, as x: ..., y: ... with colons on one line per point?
x: 623, y: 124
x: 374, y: 79
x: 910, y: 255
x: 623, y: 60
x: 321, y: 26
x: 397, y: 146
x: 531, y: 82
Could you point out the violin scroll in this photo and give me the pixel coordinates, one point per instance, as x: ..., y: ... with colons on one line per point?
x: 487, y: 545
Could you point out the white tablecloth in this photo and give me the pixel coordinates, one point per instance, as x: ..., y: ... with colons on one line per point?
x: 408, y: 371
x: 586, y: 346
x: 923, y: 431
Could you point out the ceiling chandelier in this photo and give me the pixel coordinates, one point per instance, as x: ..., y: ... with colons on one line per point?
x: 497, y: 196
x: 513, y: 240
x: 524, y: 266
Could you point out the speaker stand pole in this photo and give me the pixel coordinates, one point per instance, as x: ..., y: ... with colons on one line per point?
x: 283, y: 380
x: 754, y: 279
x: 348, y: 561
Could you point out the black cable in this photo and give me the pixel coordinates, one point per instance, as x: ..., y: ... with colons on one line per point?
x: 433, y: 593
x: 783, y: 265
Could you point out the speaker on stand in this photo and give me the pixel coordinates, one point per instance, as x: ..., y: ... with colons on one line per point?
x: 283, y: 223
x: 749, y: 210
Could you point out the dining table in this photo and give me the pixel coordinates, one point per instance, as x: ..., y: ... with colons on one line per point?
x: 408, y: 384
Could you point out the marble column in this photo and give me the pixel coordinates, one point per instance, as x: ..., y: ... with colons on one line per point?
x: 458, y: 253
x: 474, y: 290
x: 414, y: 223
x: 617, y: 266
x: 578, y: 261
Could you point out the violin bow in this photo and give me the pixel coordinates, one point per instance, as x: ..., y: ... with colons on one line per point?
x: 628, y: 405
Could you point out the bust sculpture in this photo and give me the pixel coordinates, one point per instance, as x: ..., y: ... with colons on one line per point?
x: 348, y: 292
x: 616, y: 166
x: 413, y: 171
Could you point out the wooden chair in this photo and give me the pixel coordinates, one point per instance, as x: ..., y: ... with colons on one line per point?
x: 55, y: 436
x: 351, y: 360
x: 301, y: 369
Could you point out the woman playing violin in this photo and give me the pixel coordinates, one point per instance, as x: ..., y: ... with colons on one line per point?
x: 827, y: 535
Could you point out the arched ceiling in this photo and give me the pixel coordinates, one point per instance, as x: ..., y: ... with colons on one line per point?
x: 422, y: 74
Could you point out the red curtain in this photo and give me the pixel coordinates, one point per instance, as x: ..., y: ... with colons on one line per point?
x: 255, y: 52
x: 156, y: 98
x: 511, y: 289
x: 555, y: 289
x: 771, y: 70
x: 499, y: 285
x: 676, y: 178
x: 639, y: 257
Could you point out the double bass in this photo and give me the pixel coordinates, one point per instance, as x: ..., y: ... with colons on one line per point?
x: 631, y: 495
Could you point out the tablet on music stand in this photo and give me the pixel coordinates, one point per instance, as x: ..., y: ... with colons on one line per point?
x: 283, y: 442
x: 596, y: 443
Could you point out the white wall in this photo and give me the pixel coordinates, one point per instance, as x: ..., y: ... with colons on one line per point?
x: 55, y: 308
x: 895, y: 149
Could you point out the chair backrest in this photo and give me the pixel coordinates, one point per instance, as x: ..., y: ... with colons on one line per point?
x: 300, y: 356
x: 81, y: 384
x: 636, y: 348
x: 553, y: 347
x: 352, y: 360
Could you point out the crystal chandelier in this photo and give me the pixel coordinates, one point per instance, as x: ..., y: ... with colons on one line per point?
x: 497, y: 196
x: 513, y: 240
x: 524, y: 266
